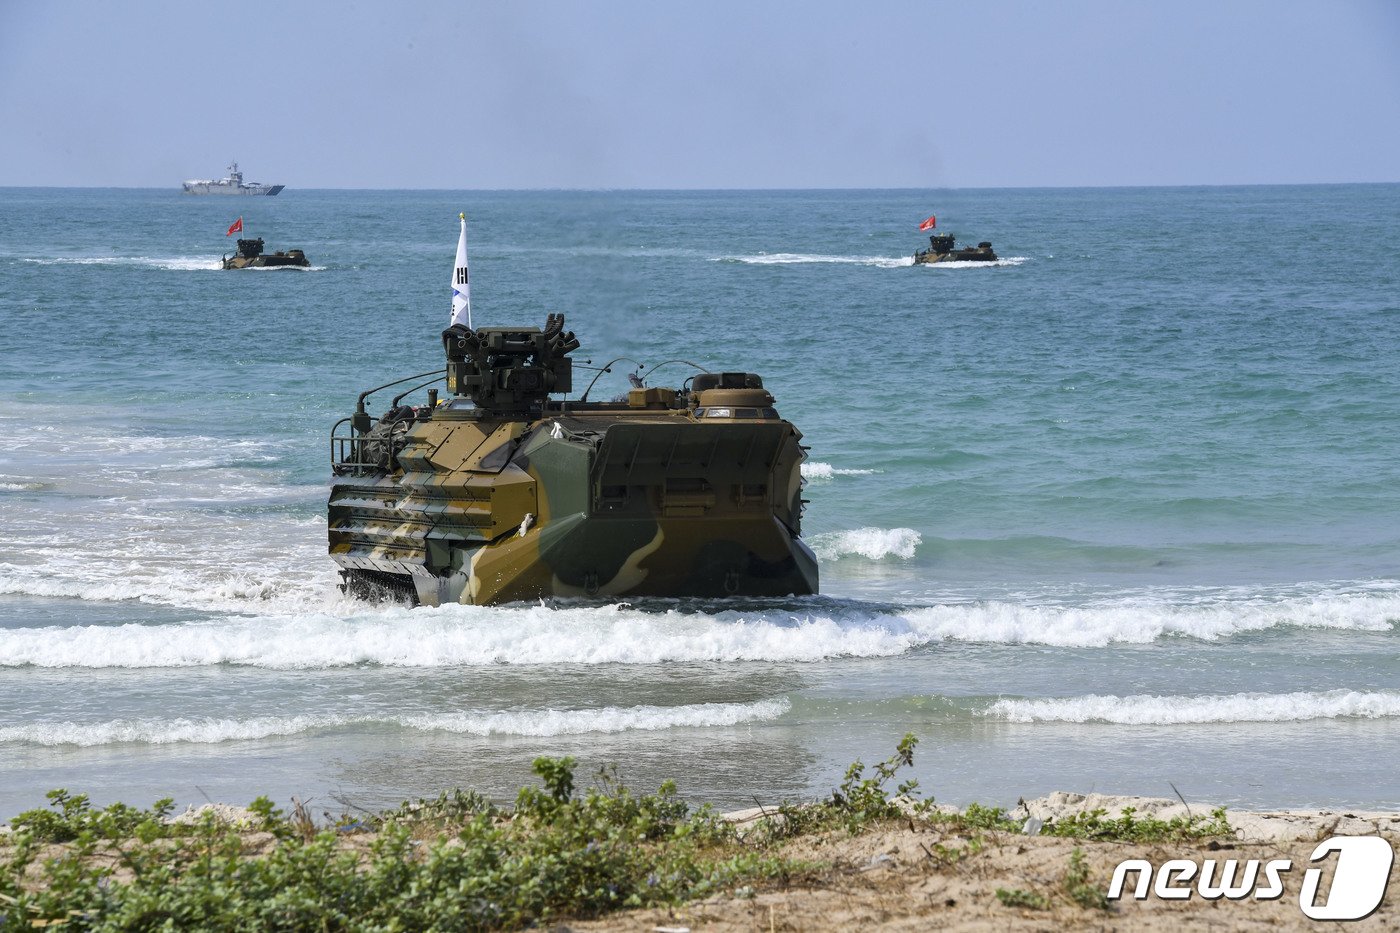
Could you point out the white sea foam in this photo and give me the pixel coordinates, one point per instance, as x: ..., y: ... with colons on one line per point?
x: 544, y: 723
x: 146, y: 527
x: 456, y: 636
x: 883, y: 262
x: 174, y: 263
x: 787, y: 259
x: 820, y: 472
x: 1142, y: 620
x: 534, y: 723
x: 346, y: 634
x: 870, y: 543
x: 256, y: 578
x: 161, y: 556
x: 1143, y: 710
x: 11, y: 486
x: 971, y: 264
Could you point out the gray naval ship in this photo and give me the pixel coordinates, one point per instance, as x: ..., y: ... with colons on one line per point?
x: 233, y: 184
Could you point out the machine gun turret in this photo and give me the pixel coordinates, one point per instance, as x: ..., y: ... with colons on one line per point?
x: 509, y: 371
x: 941, y: 244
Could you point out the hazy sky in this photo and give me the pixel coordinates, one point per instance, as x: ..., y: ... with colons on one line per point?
x: 701, y: 94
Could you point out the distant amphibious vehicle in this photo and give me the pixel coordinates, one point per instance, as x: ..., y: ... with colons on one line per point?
x: 250, y: 255
x: 504, y: 491
x: 232, y: 184
x: 940, y: 249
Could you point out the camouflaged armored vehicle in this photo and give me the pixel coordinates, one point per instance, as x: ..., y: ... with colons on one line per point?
x: 507, y: 491
x: 250, y: 255
x: 940, y: 249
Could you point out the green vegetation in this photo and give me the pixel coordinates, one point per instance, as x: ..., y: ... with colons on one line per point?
x: 557, y: 853
x: 1079, y: 884
x: 1129, y: 828
x: 76, y: 818
x: 459, y: 862
x: 857, y: 803
x: 450, y: 808
x: 1093, y: 825
x: 1078, y: 887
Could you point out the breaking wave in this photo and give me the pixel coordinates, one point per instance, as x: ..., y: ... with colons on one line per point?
x: 816, y: 471
x: 870, y: 543
x: 1140, y: 621
x: 9, y: 485
x: 533, y: 723
x: 157, y: 580
x: 458, y: 636
x: 348, y: 633
x: 1144, y: 710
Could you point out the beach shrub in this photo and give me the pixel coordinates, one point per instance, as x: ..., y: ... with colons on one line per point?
x: 559, y: 853
x: 458, y: 862
x: 1128, y: 827
x: 448, y: 809
x: 1077, y: 887
x: 75, y: 817
x: 977, y: 817
x: 859, y: 801
x: 1079, y: 884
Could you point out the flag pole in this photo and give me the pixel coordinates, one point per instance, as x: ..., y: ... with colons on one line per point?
x: 461, y: 279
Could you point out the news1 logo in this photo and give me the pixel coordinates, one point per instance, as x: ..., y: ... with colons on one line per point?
x: 1358, y: 881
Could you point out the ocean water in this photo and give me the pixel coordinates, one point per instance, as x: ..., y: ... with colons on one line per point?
x: 1116, y: 513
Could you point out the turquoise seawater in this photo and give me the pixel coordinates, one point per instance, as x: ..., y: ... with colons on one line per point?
x: 1117, y: 511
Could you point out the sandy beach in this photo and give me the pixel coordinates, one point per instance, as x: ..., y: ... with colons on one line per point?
x: 899, y: 878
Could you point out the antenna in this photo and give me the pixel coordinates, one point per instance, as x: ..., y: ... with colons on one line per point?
x: 607, y: 369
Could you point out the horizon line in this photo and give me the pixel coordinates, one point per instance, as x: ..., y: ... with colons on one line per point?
x: 639, y: 189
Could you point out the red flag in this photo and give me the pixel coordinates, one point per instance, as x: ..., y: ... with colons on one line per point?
x: 237, y: 227
x: 927, y: 224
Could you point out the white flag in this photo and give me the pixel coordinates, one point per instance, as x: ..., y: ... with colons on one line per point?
x: 461, y: 282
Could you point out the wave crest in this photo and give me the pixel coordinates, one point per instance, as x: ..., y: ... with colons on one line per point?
x: 1147, y: 710
x: 534, y: 723
x: 870, y: 543
x: 817, y: 471
x: 351, y: 634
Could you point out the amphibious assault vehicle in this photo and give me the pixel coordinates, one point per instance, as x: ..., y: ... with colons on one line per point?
x: 250, y: 255
x: 940, y: 249
x: 508, y: 490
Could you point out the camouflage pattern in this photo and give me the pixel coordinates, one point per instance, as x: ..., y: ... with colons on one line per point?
x: 502, y: 493
x: 250, y: 255
x: 940, y: 249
